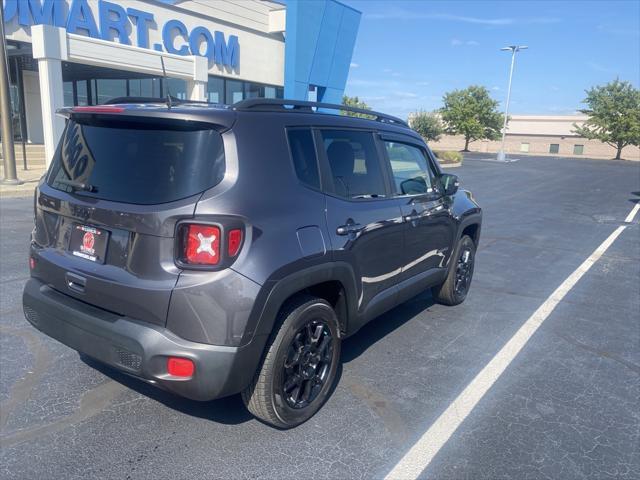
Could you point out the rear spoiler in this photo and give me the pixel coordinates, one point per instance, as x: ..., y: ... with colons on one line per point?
x: 191, y: 114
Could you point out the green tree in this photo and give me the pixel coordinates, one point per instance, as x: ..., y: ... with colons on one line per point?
x: 614, y: 115
x: 357, y: 103
x: 473, y: 113
x: 427, y: 124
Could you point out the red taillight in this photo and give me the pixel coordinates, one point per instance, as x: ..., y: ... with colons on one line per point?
x: 234, y: 241
x: 32, y: 263
x: 202, y: 246
x: 180, y: 367
x: 98, y: 109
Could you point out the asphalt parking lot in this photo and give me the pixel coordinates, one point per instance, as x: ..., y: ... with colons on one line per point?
x: 567, y: 406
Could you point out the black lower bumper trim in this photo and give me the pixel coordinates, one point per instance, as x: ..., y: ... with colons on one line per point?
x: 138, y: 348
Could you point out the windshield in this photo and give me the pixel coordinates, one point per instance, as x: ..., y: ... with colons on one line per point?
x: 137, y: 162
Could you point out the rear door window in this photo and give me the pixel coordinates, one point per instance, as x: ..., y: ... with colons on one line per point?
x: 146, y: 162
x: 354, y: 164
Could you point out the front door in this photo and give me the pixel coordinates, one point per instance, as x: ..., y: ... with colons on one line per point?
x: 364, y: 222
x: 429, y: 226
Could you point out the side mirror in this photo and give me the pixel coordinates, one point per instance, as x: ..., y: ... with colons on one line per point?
x: 450, y: 183
x: 413, y: 186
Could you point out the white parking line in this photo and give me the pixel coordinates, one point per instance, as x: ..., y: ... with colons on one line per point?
x: 425, y: 449
x: 632, y: 213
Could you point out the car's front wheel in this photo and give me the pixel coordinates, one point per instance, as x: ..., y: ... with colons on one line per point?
x: 300, y: 365
x: 456, y: 286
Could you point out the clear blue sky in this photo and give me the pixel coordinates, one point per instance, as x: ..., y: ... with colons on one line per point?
x: 408, y: 53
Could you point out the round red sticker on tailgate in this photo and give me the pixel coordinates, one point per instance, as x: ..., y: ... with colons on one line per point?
x: 88, y: 240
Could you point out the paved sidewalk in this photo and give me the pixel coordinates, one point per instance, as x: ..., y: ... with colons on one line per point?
x: 29, y: 177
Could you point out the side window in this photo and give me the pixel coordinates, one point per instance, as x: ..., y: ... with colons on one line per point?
x: 411, y: 172
x: 354, y: 164
x: 303, y: 153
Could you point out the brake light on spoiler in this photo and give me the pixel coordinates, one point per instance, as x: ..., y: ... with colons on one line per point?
x: 98, y: 109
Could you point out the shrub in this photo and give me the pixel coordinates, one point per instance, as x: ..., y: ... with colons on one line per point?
x: 427, y: 124
x: 448, y: 156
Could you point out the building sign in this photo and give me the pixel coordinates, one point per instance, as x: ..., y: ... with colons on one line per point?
x: 115, y: 21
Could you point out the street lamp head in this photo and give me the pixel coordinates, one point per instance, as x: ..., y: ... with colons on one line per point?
x: 514, y: 48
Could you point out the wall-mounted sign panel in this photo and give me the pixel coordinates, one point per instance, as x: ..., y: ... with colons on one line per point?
x: 233, y: 51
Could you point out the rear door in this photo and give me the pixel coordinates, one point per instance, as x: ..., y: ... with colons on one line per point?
x: 364, y: 223
x: 106, y: 214
x: 429, y: 226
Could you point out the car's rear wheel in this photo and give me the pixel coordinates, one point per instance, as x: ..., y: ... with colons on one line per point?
x: 299, y: 369
x: 456, y: 286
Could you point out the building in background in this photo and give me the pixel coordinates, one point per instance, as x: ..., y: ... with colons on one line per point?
x: 541, y: 135
x: 85, y: 52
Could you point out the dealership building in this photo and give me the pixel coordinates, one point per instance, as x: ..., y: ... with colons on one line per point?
x: 85, y: 52
x: 552, y: 135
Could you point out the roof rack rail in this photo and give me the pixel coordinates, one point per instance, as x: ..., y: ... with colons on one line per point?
x: 304, y: 106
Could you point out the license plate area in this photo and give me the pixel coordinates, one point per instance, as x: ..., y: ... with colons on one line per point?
x: 89, y: 242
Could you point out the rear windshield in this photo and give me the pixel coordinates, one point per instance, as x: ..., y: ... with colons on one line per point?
x: 137, y: 162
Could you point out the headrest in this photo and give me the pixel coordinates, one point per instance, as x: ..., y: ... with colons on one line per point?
x: 341, y: 159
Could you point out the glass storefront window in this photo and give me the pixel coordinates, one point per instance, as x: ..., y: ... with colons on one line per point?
x: 215, y: 90
x: 176, y: 88
x: 144, y: 87
x: 234, y: 91
x: 270, y: 92
x: 108, y: 88
x: 81, y: 92
x: 67, y: 90
x: 253, y: 90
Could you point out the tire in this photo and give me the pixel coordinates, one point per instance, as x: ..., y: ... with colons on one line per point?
x: 454, y: 289
x: 300, y: 365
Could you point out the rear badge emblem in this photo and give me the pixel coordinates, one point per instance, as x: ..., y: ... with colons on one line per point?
x: 88, y: 241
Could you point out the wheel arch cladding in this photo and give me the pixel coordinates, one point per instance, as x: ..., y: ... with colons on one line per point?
x: 335, y: 282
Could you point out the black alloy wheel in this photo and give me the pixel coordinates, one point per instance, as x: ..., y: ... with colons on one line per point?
x: 307, y: 363
x: 300, y: 366
x: 464, y: 271
x: 457, y: 283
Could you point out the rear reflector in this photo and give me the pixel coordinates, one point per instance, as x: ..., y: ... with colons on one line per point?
x: 32, y: 263
x: 202, y: 245
x: 98, y: 109
x: 180, y: 367
x: 234, y: 241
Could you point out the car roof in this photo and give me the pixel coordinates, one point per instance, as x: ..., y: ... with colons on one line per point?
x: 291, y: 112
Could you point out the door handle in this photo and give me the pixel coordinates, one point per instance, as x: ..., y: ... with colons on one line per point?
x: 348, y: 229
x: 75, y: 283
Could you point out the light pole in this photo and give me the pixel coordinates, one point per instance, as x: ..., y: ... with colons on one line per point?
x: 8, y: 154
x: 513, y: 49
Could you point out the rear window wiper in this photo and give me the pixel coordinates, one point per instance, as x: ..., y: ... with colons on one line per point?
x: 78, y: 185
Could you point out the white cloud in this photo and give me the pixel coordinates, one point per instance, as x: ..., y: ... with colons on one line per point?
x: 599, y: 68
x: 618, y: 30
x: 402, y: 14
x: 402, y: 94
x: 354, y: 65
x: 495, y: 88
x: 456, y: 42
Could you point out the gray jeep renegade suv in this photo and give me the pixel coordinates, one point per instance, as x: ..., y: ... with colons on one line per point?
x: 213, y: 250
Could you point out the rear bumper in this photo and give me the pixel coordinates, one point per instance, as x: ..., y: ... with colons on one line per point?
x: 139, y: 348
